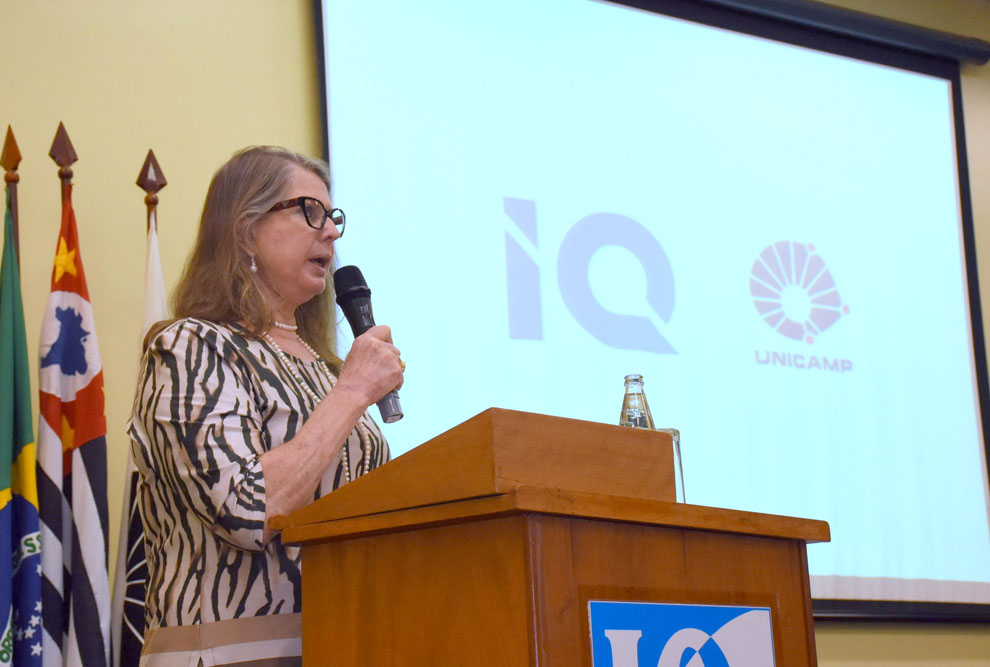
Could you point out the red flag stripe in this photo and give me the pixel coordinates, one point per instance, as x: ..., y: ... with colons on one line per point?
x: 85, y: 415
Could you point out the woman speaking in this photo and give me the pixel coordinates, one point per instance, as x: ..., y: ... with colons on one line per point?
x: 243, y: 413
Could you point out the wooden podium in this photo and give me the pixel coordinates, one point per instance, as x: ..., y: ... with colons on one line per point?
x: 484, y: 546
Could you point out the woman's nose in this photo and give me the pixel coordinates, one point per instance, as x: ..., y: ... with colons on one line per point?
x: 330, y: 231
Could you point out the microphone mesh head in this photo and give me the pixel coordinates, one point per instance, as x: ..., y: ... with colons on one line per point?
x: 349, y: 282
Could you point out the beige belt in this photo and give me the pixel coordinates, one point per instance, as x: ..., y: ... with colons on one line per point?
x: 265, y: 639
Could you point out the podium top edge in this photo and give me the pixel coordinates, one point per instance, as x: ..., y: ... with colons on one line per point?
x: 559, y: 502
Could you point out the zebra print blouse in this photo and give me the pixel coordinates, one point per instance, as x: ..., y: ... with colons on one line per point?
x: 210, y: 401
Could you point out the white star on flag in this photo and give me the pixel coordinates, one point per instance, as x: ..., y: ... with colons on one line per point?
x: 35, y: 620
x: 29, y: 633
x: 36, y: 649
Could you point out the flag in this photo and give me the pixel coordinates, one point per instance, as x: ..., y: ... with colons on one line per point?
x: 20, y: 540
x: 155, y: 307
x: 72, y: 467
x: 131, y: 576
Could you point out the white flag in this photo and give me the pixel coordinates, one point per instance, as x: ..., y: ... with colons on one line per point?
x: 155, y: 307
x: 130, y: 578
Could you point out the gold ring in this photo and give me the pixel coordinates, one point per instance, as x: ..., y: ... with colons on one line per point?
x: 402, y: 364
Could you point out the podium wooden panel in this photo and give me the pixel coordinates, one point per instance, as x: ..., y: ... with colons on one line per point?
x: 491, y: 555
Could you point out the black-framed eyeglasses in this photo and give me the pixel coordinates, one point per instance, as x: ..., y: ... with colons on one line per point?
x: 315, y: 212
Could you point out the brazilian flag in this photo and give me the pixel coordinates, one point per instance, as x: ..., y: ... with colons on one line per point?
x: 20, y: 540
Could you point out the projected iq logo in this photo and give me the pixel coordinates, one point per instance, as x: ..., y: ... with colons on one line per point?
x: 646, y: 634
x: 796, y: 295
x: 586, y: 237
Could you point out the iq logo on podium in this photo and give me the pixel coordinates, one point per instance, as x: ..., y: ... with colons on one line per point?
x: 645, y: 634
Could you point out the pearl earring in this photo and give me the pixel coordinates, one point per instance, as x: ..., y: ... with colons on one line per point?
x: 254, y: 265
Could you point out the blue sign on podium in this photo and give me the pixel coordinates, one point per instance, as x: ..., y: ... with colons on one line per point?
x: 647, y: 634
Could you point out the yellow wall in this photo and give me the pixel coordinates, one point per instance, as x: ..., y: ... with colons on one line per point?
x: 852, y: 644
x: 195, y: 80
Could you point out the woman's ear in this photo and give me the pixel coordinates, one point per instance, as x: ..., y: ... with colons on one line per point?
x: 244, y: 237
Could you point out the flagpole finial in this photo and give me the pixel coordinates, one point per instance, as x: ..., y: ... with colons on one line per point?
x: 63, y: 154
x: 10, y: 158
x: 151, y: 179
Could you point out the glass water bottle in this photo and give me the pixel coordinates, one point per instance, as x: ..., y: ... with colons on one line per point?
x: 635, y: 409
x: 636, y: 414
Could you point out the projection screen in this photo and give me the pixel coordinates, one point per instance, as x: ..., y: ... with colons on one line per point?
x: 545, y: 197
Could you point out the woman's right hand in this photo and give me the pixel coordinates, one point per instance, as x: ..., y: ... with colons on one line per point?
x: 293, y: 470
x: 371, y: 367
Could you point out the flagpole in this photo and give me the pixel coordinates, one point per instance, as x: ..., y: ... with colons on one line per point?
x: 130, y: 577
x: 72, y: 454
x: 20, y: 562
x: 65, y: 156
x: 9, y: 160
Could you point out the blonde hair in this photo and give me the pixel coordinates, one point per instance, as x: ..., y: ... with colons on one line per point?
x: 217, y: 283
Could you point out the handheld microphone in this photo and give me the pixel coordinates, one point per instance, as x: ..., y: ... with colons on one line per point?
x: 354, y: 298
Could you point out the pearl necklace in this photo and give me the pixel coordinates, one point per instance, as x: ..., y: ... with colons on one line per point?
x: 288, y: 327
x: 364, y: 435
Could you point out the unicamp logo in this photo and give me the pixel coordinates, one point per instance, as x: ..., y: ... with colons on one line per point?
x: 794, y: 291
x: 795, y: 294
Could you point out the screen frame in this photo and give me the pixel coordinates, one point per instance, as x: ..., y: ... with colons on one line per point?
x: 873, y: 39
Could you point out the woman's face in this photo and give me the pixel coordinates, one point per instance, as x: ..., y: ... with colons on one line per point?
x: 292, y: 256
